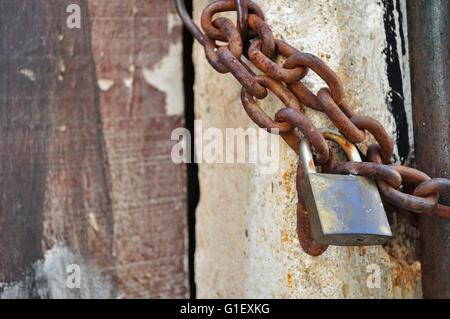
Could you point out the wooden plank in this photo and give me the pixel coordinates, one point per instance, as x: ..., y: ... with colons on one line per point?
x: 86, y: 174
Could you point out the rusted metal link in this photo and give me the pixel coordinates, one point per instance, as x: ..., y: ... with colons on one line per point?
x: 349, y: 149
x: 410, y: 176
x: 259, y: 116
x: 242, y: 17
x: 232, y: 34
x: 338, y: 117
x: 305, y: 96
x: 374, y: 170
x: 234, y: 44
x: 435, y: 185
x: 241, y: 73
x: 321, y: 69
x: 347, y: 109
x: 265, y: 35
x: 189, y: 23
x: 329, y: 166
x: 406, y: 201
x: 280, y: 91
x: 308, y: 98
x: 210, y: 49
x: 335, y: 86
x: 378, y: 132
x: 307, y: 243
x: 373, y: 153
x: 311, y: 133
x: 410, y: 202
x: 222, y: 6
x: 285, y: 49
x: 271, y: 68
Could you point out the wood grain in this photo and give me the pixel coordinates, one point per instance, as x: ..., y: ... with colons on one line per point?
x: 84, y: 166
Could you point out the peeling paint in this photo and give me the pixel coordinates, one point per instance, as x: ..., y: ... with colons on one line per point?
x: 105, y: 85
x: 48, y: 277
x: 128, y: 82
x: 167, y: 77
x: 173, y: 20
x: 29, y: 74
x: 93, y: 221
x: 62, y: 66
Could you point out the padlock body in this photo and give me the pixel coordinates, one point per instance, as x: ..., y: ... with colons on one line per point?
x: 345, y: 210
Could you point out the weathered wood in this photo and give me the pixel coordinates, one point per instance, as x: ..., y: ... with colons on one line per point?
x: 86, y: 175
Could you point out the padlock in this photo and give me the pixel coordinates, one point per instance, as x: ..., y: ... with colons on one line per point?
x: 343, y: 210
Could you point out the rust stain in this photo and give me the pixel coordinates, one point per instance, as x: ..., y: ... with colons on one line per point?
x: 285, y: 237
x: 362, y: 251
x: 349, y: 255
x: 311, y: 165
x: 287, y: 182
x: 406, y: 276
x: 345, y: 289
x: 289, y: 279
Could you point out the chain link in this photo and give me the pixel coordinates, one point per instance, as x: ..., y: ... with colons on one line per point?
x: 253, y: 38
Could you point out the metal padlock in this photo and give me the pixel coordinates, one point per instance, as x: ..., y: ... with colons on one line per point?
x: 343, y: 210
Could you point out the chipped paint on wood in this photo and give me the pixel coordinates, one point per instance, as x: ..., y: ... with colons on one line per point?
x: 29, y: 74
x: 166, y: 77
x: 138, y: 114
x: 48, y: 278
x: 105, y: 85
x: 89, y: 178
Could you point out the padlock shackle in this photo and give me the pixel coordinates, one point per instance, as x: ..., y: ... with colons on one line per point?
x: 306, y: 156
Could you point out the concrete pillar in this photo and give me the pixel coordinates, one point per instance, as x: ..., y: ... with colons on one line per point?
x: 247, y: 244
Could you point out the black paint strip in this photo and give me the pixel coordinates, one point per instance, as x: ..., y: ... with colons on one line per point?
x: 396, y: 97
x: 400, y: 27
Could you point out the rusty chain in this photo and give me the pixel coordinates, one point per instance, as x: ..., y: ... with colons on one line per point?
x: 252, y: 38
